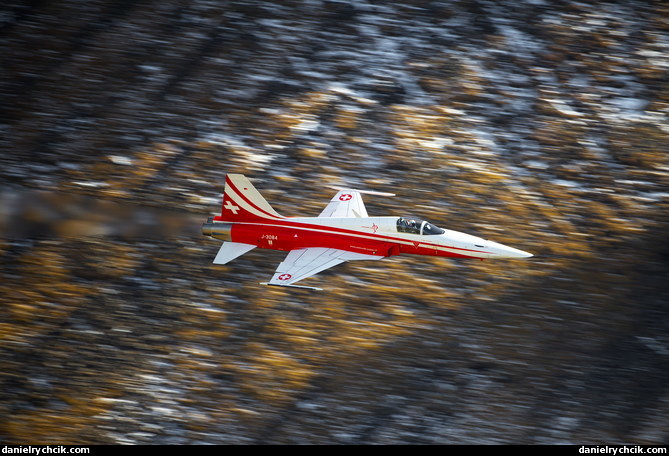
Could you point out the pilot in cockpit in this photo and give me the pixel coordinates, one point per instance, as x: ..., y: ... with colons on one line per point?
x: 408, y: 225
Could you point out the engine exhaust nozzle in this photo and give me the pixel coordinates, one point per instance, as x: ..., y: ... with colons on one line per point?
x: 217, y: 230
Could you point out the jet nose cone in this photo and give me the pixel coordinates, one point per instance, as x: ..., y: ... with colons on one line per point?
x: 522, y: 254
x: 504, y: 251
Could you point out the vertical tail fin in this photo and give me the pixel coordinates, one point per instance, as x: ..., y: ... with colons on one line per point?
x: 243, y: 203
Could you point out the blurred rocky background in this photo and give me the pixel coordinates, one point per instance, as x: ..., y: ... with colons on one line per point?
x: 540, y: 124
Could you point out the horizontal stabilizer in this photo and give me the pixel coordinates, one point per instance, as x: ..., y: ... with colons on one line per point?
x: 231, y: 250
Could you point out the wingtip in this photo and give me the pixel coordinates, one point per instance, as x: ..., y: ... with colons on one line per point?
x: 290, y: 286
x: 366, y: 192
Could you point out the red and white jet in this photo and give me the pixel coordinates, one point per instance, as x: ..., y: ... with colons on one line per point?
x: 342, y: 232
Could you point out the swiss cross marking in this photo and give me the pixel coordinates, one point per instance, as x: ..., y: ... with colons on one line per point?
x: 345, y: 197
x: 231, y: 207
x: 284, y: 276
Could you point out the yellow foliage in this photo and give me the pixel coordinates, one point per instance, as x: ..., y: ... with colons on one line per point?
x: 49, y: 427
x: 273, y: 375
x: 347, y: 119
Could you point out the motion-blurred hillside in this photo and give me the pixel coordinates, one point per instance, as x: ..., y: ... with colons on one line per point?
x: 539, y: 124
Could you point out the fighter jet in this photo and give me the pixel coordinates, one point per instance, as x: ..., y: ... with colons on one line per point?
x: 342, y: 232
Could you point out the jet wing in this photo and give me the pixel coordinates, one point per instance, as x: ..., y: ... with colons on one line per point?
x: 346, y: 203
x: 303, y: 263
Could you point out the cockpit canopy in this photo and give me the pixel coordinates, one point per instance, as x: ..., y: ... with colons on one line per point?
x: 416, y: 226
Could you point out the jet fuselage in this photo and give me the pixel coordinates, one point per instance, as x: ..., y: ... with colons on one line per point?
x: 369, y: 235
x: 342, y: 232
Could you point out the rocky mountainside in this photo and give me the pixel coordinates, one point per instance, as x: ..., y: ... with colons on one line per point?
x: 539, y: 124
